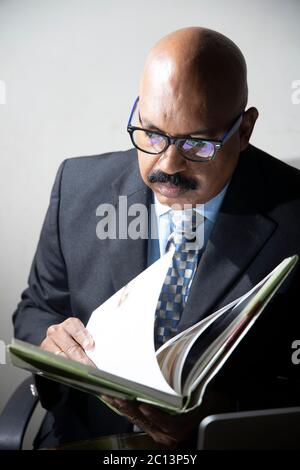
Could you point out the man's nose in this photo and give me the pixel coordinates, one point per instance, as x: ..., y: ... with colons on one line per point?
x: 171, y: 161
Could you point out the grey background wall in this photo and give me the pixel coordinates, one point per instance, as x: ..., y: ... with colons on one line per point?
x: 71, y: 69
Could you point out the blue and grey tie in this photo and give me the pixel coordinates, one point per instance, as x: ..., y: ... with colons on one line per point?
x: 177, y: 284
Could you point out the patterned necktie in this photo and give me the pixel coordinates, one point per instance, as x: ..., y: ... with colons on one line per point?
x: 179, y: 277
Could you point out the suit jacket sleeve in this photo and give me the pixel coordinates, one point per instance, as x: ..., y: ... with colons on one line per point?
x: 46, y: 301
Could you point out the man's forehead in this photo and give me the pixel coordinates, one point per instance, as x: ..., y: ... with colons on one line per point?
x: 148, y: 124
x: 176, y: 117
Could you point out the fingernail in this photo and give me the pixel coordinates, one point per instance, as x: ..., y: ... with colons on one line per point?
x: 108, y: 399
x: 120, y: 402
x: 88, y: 342
x: 105, y: 397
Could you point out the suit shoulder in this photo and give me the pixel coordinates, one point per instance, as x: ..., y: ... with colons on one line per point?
x: 109, y: 161
x: 94, y: 171
x: 277, y: 170
x: 278, y: 191
x: 83, y: 176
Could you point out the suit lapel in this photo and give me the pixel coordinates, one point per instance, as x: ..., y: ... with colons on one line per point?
x: 127, y: 256
x: 235, y: 241
x: 239, y: 234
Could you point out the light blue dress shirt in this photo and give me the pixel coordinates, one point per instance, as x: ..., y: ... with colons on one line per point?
x: 160, y: 227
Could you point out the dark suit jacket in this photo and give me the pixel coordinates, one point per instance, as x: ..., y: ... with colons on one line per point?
x: 73, y: 272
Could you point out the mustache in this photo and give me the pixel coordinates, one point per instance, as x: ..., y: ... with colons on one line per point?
x: 176, y: 179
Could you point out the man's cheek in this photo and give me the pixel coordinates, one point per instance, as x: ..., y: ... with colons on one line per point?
x: 146, y: 166
x: 145, y: 171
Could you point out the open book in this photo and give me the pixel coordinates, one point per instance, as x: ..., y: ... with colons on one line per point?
x: 176, y: 375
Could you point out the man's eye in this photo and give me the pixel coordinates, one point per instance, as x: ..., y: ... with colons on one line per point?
x: 190, y: 144
x: 153, y: 137
x: 150, y: 134
x: 198, y: 143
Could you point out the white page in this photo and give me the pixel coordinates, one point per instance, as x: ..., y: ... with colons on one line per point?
x: 123, y: 329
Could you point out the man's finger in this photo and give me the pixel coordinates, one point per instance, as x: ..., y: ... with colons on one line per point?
x: 49, y: 345
x: 127, y: 408
x: 150, y: 425
x: 132, y: 412
x: 68, y: 345
x: 107, y: 398
x: 163, y: 420
x: 78, y: 331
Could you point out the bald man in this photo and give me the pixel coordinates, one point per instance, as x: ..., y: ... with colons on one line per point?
x: 190, y: 128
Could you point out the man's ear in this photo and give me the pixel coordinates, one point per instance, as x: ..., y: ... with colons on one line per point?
x: 247, y: 127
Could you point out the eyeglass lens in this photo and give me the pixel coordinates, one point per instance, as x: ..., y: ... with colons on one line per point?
x: 154, y: 143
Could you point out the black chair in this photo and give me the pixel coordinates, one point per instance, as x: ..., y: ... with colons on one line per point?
x: 16, y: 415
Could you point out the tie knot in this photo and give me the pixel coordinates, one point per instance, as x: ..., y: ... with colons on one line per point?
x: 184, y: 224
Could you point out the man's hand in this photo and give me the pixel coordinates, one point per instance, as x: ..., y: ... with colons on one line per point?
x: 69, y: 339
x: 165, y: 429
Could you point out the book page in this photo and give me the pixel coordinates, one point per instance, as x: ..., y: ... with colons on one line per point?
x: 172, y: 355
x: 214, y: 357
x: 123, y: 329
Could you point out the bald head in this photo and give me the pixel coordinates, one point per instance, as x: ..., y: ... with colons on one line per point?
x: 194, y: 84
x: 196, y: 68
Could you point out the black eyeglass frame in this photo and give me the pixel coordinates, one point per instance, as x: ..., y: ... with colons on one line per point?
x: 179, y: 140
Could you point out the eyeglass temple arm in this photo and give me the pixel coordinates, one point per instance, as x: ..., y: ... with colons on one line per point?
x: 234, y: 128
x: 132, y: 111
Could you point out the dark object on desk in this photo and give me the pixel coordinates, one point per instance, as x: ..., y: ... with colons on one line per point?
x: 261, y: 429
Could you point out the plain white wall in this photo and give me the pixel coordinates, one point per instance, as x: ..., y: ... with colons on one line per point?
x: 71, y: 69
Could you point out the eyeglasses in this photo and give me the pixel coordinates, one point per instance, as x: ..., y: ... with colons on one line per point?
x: 191, y: 148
